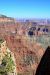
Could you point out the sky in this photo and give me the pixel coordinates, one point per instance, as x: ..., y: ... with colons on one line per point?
x: 25, y: 8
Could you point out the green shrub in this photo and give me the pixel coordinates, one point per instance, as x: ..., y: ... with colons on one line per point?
x: 7, y: 65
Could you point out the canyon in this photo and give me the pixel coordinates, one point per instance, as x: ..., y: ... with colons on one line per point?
x: 28, y: 41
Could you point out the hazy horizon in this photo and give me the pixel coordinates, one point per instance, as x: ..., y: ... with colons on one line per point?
x: 25, y: 8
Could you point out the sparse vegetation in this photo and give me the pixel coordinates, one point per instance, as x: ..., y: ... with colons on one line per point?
x: 1, y: 40
x: 7, y: 65
x: 28, y: 59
